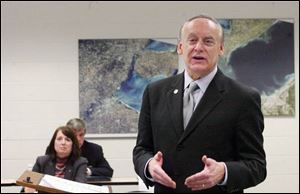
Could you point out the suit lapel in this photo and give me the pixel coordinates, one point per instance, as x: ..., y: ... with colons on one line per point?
x: 210, y: 99
x: 174, y: 102
x: 68, y: 172
x: 49, y: 167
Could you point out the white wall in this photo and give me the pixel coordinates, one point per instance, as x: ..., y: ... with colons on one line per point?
x: 39, y: 75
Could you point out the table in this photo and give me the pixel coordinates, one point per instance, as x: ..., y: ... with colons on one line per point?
x: 116, y: 181
x: 8, y: 182
x: 113, y: 181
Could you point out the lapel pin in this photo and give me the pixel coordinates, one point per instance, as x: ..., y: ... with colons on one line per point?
x: 175, y: 91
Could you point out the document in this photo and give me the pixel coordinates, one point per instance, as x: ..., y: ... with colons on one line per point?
x: 71, y: 186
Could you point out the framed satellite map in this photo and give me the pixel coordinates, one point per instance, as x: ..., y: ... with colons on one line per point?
x: 113, y: 73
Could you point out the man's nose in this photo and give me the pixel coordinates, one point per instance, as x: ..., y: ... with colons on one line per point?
x: 199, y: 46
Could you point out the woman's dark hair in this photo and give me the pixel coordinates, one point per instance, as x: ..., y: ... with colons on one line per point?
x: 75, y: 153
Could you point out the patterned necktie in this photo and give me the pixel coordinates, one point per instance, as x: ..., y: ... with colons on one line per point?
x: 188, y: 103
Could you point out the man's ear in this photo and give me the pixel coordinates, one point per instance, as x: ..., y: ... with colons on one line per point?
x: 221, y: 53
x: 179, y: 48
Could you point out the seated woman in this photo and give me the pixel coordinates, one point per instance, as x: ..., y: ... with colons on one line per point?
x: 62, y: 158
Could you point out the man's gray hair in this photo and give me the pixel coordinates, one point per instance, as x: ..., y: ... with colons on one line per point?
x: 76, y: 124
x: 205, y: 17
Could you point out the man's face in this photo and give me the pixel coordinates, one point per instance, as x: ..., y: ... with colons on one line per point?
x: 80, y: 136
x: 200, y: 46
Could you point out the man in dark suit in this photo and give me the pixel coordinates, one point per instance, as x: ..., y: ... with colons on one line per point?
x: 219, y: 148
x: 97, y: 164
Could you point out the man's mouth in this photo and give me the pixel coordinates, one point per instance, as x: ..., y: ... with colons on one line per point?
x: 199, y: 58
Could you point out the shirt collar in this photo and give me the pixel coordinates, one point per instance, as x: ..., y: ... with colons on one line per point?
x: 202, y: 82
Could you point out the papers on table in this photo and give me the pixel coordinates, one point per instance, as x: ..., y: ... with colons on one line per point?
x: 71, y: 186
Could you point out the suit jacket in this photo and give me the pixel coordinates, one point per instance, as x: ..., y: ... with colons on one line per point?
x: 76, y: 172
x: 226, y: 125
x: 96, y: 160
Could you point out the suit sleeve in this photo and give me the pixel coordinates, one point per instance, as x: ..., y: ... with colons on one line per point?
x: 101, y: 167
x: 37, y: 166
x: 80, y: 168
x: 143, y: 150
x: 250, y: 167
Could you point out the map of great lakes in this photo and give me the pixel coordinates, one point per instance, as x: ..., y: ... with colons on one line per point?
x: 113, y: 76
x: 113, y: 73
x: 260, y: 54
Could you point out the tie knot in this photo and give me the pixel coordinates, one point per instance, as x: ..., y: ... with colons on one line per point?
x: 192, y: 87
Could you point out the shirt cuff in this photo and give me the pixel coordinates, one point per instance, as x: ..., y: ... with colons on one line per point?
x: 88, y: 171
x: 224, y: 182
x: 145, y: 171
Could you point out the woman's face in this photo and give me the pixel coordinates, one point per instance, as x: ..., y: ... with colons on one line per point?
x: 63, y: 145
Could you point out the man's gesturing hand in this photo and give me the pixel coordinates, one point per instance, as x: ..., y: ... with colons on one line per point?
x: 157, y: 173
